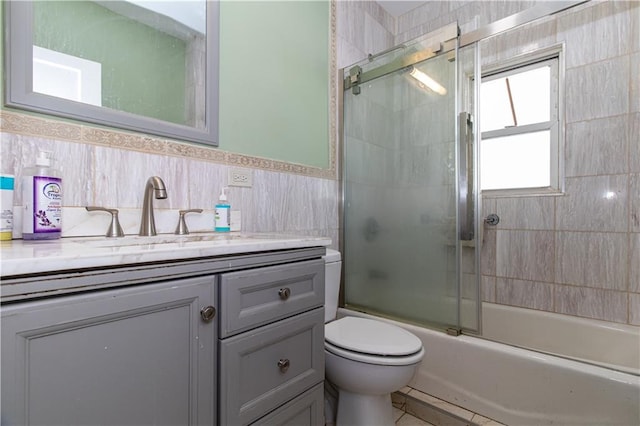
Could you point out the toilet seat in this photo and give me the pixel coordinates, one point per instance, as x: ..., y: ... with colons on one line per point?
x: 373, y: 342
x: 375, y: 359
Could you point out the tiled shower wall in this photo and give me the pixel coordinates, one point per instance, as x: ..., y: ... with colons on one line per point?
x: 577, y: 253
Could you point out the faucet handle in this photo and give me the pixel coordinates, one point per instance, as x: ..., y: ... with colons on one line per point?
x: 182, y: 229
x: 115, y: 230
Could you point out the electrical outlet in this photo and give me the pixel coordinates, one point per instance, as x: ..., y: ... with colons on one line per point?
x: 240, y: 177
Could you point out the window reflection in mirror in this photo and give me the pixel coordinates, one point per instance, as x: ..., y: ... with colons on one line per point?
x: 144, y: 65
x: 144, y: 49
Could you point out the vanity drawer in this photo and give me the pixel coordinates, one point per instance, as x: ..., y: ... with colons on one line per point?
x: 305, y: 410
x: 266, y: 367
x: 259, y: 296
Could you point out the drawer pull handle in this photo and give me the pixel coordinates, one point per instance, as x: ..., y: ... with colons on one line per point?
x: 283, y: 365
x: 284, y: 293
x: 208, y: 313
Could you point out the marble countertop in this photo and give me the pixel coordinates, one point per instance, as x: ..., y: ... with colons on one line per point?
x: 19, y: 257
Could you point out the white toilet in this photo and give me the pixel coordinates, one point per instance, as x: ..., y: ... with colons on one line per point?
x: 365, y: 359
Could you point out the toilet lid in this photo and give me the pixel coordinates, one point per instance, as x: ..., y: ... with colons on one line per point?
x: 371, y: 337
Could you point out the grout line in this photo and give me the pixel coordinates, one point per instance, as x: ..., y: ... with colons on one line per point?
x: 442, y: 410
x: 436, y: 408
x: 404, y: 413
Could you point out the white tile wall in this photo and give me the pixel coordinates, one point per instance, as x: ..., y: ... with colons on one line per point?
x: 592, y: 259
x: 527, y: 294
x: 634, y: 265
x: 607, y: 25
x: 592, y: 303
x: 634, y: 92
x: 597, y: 147
x: 634, y: 309
x: 634, y: 198
x: 531, y: 37
x: 489, y: 288
x: 634, y: 136
x: 595, y: 203
x: 600, y: 89
x: 526, y: 213
x: 527, y: 255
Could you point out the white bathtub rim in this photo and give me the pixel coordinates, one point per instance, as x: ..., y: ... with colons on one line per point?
x: 537, y: 324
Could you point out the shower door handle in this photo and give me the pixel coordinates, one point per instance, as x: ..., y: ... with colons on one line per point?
x: 465, y: 185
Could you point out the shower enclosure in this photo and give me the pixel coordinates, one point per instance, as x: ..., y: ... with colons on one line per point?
x: 412, y: 222
x: 409, y: 202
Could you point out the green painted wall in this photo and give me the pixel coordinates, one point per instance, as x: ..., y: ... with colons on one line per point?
x: 142, y: 68
x: 274, y: 80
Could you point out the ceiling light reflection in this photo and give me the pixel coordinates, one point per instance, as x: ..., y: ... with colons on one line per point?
x: 427, y: 81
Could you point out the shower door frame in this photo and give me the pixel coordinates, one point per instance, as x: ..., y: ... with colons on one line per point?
x: 441, y: 43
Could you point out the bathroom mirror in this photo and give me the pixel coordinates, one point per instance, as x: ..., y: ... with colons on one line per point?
x: 142, y: 65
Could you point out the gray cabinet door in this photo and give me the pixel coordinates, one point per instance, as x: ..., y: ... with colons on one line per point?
x: 304, y: 410
x: 266, y: 367
x: 135, y: 356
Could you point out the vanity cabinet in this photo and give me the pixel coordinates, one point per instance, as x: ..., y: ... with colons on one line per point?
x: 138, y: 355
x: 226, y: 340
x: 272, y: 345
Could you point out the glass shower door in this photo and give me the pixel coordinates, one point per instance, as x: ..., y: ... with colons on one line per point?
x: 401, y: 240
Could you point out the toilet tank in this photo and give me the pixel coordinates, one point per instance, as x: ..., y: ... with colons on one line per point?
x: 333, y: 266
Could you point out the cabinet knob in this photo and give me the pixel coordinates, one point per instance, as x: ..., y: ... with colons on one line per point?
x: 208, y: 313
x: 284, y: 293
x: 283, y: 365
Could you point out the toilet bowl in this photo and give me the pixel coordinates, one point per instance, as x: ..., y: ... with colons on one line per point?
x: 365, y: 360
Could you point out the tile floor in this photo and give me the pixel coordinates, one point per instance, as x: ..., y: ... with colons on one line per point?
x: 405, y: 419
x: 414, y: 408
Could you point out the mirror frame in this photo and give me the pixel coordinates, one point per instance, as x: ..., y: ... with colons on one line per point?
x: 19, y: 83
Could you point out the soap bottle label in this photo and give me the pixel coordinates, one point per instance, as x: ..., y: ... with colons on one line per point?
x: 223, y: 218
x: 6, y: 207
x: 43, y: 204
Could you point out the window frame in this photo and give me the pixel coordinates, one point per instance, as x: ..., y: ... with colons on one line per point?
x: 554, y: 57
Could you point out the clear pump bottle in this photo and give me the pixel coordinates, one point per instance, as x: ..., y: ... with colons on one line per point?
x: 223, y: 213
x: 42, y: 200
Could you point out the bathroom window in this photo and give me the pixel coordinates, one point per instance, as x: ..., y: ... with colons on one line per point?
x: 520, y: 126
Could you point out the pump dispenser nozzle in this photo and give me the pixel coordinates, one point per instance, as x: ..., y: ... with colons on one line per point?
x: 223, y: 195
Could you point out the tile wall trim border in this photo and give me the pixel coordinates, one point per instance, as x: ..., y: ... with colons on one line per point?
x: 44, y: 127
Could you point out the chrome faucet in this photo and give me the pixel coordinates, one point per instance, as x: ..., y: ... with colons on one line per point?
x: 148, y: 222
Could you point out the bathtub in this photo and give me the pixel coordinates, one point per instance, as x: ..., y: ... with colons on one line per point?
x: 521, y: 387
x: 611, y: 345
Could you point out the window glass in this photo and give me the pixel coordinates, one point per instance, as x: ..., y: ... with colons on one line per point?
x: 520, y: 144
x: 518, y: 161
x: 517, y: 99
